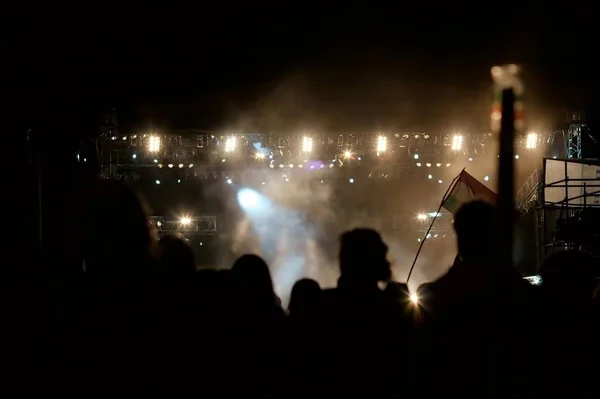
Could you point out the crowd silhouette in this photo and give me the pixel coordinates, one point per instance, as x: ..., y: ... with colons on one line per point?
x: 132, y: 316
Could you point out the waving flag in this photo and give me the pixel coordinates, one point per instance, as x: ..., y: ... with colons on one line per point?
x: 467, y: 189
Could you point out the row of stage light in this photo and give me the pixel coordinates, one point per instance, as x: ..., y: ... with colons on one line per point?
x: 154, y: 142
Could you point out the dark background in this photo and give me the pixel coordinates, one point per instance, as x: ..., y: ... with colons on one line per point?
x: 317, y: 65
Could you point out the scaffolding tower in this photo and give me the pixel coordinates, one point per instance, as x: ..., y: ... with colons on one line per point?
x: 577, y: 128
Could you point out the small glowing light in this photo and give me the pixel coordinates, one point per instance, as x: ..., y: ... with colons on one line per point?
x: 180, y: 165
x: 382, y: 144
x: 347, y: 154
x: 263, y: 183
x: 531, y: 141
x: 229, y: 181
x: 439, y: 181
x: 414, y: 298
x: 422, y: 216
x: 517, y: 156
x: 428, y: 165
x: 448, y: 165
x: 230, y: 144
x: 134, y: 156
x: 416, y: 156
x: 156, y: 161
x: 191, y: 165
x: 154, y: 144
x: 430, y: 177
x: 307, y: 145
x: 418, y: 164
x: 487, y: 178
x: 170, y: 165
x: 457, y: 141
x: 185, y: 220
x: 178, y: 180
x: 157, y: 182
x: 470, y: 159
x: 438, y: 165
x: 160, y: 165
x: 351, y: 180
x: 259, y: 155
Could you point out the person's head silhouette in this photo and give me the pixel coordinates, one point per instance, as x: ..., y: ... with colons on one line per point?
x: 114, y: 232
x: 251, y: 279
x: 305, y: 297
x: 363, y: 257
x: 175, y: 257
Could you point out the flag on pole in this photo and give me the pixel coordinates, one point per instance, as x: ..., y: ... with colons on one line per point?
x: 467, y: 189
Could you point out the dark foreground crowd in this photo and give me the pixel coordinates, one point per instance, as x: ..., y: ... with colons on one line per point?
x: 132, y: 317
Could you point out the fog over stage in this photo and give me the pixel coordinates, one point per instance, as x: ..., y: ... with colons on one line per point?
x: 288, y: 197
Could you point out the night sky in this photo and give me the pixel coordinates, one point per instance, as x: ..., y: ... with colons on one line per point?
x: 287, y: 67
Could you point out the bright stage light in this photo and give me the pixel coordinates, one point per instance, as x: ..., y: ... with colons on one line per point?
x: 230, y: 144
x: 347, y: 154
x: 154, y: 144
x: 457, y: 141
x: 381, y: 144
x: 185, y: 220
x: 531, y: 142
x: 307, y: 145
x: 422, y: 216
x: 247, y: 198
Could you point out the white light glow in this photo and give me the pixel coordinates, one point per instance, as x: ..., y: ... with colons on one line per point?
x: 307, y: 145
x: 414, y: 298
x: 248, y: 198
x: 185, y: 220
x: 154, y: 144
x: 382, y: 144
x: 457, y: 142
x: 531, y: 142
x: 230, y: 144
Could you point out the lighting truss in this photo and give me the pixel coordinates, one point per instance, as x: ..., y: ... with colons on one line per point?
x: 198, y: 225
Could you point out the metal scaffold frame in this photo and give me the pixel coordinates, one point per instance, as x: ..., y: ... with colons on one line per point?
x: 572, y: 198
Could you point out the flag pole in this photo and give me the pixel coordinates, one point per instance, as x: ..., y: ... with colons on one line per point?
x: 450, y: 188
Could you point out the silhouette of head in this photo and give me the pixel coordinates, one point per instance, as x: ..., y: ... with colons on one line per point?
x: 305, y: 297
x: 476, y: 231
x: 363, y: 256
x: 114, y: 230
x: 251, y: 279
x: 175, y: 257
